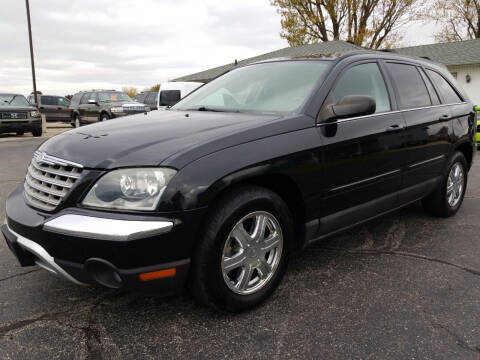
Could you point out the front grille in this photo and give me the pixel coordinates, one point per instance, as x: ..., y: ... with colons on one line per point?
x: 48, y: 180
x: 13, y: 115
x: 134, y: 108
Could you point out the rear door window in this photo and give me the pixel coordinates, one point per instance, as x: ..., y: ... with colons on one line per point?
x: 364, y: 79
x: 48, y: 100
x: 449, y: 95
x: 411, y: 88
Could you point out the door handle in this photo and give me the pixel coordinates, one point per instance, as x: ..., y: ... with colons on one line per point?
x: 393, y: 128
x: 59, y: 108
x: 444, y: 117
x: 41, y: 107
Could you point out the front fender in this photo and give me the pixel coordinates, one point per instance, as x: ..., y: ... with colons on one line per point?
x: 293, y: 154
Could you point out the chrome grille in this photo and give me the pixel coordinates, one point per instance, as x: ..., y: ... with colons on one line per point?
x: 48, y: 180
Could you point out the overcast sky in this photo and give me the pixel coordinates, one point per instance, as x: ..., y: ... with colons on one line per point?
x: 83, y: 44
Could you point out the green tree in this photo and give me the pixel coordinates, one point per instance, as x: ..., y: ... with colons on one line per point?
x: 369, y: 23
x: 155, y: 87
x: 460, y: 19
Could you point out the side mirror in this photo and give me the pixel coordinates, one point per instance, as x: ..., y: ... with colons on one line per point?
x: 350, y: 106
x: 93, y: 102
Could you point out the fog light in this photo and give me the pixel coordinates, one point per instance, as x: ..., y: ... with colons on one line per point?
x: 103, y: 273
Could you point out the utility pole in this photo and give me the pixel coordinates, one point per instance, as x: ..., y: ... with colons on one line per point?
x: 31, y: 53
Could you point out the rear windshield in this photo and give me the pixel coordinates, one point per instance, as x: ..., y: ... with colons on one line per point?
x: 13, y: 100
x: 114, y: 96
x: 169, y: 97
x: 282, y: 86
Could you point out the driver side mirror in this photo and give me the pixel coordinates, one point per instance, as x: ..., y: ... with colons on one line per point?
x: 93, y: 102
x: 350, y: 106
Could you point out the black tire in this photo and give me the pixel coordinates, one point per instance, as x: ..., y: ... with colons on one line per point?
x: 20, y: 133
x: 104, y: 117
x: 37, y: 132
x: 206, y: 280
x: 437, y: 203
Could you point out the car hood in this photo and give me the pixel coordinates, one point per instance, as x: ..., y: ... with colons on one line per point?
x: 17, y: 108
x: 171, y: 138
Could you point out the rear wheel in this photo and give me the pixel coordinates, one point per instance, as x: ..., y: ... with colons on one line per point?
x: 104, y: 117
x: 448, y: 197
x: 242, y: 255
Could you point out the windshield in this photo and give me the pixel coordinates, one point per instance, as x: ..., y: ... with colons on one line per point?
x: 270, y: 87
x: 116, y: 96
x: 13, y: 100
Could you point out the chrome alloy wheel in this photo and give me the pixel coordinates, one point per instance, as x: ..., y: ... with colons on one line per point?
x: 455, y: 184
x: 252, y: 252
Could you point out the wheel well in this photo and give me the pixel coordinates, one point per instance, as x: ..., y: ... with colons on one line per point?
x: 467, y: 151
x: 103, y: 112
x: 284, y: 187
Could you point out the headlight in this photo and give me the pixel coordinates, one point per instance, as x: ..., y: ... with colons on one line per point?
x: 131, y: 189
x: 117, y: 109
x: 35, y: 114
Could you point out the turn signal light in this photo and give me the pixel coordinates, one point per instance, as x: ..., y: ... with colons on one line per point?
x: 160, y: 274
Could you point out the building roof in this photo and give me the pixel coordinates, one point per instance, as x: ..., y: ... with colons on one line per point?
x: 324, y: 48
x: 451, y: 53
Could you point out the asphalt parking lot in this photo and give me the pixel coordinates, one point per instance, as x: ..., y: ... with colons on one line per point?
x: 406, y: 286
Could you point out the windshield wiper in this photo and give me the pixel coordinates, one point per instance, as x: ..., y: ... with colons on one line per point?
x: 13, y: 98
x: 204, y: 108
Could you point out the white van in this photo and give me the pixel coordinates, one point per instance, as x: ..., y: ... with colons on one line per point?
x: 171, y: 92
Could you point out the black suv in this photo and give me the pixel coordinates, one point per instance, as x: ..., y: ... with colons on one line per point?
x: 100, y: 105
x: 19, y: 116
x: 148, y: 98
x: 54, y: 107
x: 220, y: 190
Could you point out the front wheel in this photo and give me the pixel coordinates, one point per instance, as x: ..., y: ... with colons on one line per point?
x: 242, y: 255
x: 448, y: 197
x: 37, y: 132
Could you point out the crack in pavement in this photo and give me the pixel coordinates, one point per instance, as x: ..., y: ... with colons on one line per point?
x: 404, y: 254
x: 460, y: 342
x: 17, y: 275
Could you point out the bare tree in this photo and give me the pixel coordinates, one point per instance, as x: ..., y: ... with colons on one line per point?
x: 460, y: 19
x: 369, y: 23
x: 130, y: 91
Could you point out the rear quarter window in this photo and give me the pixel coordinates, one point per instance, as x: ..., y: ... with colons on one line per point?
x: 449, y: 95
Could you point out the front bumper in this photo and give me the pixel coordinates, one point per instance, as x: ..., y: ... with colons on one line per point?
x: 7, y: 126
x: 150, y: 254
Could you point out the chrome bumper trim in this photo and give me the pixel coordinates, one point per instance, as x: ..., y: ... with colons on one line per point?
x: 106, y: 229
x: 44, y: 259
